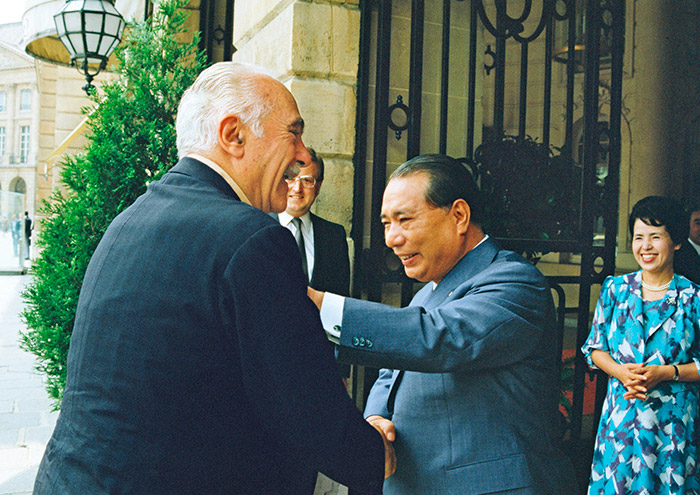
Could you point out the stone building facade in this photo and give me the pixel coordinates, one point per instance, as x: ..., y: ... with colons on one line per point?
x: 18, y: 126
x: 40, y: 106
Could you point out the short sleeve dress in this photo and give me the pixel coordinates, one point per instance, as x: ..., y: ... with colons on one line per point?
x: 647, y: 447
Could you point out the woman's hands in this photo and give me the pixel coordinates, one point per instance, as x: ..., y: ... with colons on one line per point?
x: 650, y: 375
x: 635, y: 377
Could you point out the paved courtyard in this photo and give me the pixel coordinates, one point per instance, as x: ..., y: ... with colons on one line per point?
x: 26, y: 419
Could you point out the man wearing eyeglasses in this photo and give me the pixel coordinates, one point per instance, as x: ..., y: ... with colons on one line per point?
x: 323, y: 244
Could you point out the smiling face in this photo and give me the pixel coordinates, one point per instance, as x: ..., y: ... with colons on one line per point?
x: 299, y: 198
x: 278, y: 152
x: 653, y: 249
x: 429, y: 241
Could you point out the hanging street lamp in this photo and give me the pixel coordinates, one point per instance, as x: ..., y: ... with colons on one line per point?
x: 90, y: 30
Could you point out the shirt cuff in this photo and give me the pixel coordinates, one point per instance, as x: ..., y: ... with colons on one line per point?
x: 332, y: 315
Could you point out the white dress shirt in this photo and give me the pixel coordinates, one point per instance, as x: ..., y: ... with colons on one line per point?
x: 229, y: 180
x: 696, y: 246
x: 307, y: 230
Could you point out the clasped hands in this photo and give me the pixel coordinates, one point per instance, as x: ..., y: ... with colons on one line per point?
x: 382, y: 425
x: 639, y: 379
x: 388, y: 432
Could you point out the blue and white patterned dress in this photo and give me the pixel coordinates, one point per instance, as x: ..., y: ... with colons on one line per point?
x: 647, y: 447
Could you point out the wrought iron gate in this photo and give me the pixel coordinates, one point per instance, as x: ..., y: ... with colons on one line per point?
x: 472, y: 78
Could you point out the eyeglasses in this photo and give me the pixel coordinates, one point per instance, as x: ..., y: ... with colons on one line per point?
x: 306, y: 181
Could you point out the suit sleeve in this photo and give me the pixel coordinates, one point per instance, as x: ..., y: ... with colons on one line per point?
x: 288, y: 367
x: 497, y: 318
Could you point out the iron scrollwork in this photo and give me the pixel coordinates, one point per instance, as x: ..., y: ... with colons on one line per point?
x: 489, y: 52
x: 399, y: 128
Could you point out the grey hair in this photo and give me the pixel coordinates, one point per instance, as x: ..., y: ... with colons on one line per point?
x: 222, y: 89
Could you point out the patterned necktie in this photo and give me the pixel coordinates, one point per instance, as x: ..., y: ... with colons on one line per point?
x: 299, y: 236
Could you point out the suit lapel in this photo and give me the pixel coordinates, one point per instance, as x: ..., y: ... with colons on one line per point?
x: 668, y: 307
x: 318, y: 247
x: 469, y: 266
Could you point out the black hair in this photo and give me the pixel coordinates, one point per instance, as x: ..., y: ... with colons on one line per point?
x: 658, y: 211
x: 448, y: 181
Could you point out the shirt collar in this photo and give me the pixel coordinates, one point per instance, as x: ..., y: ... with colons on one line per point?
x: 696, y: 246
x: 229, y: 180
x: 286, y: 219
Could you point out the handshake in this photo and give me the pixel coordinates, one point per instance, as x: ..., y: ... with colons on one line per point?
x: 388, y: 432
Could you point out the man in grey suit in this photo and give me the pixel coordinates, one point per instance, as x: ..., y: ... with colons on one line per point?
x: 468, y: 391
x: 197, y: 363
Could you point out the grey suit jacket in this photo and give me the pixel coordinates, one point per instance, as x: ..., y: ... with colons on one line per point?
x: 475, y: 403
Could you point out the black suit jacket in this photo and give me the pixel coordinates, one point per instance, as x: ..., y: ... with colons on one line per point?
x: 686, y: 262
x: 331, y: 261
x: 197, y: 362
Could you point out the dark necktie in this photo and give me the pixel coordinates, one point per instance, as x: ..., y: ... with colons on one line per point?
x: 299, y: 236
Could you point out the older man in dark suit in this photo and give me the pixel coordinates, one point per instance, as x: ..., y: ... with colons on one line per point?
x: 468, y: 391
x: 197, y: 362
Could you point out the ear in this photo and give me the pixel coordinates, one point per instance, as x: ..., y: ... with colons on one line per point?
x: 231, y: 135
x: 462, y: 214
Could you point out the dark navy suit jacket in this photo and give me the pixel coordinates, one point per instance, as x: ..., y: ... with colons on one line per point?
x: 474, y: 402
x: 197, y: 362
x: 331, y: 261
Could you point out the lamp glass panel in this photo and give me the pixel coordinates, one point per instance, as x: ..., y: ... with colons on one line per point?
x: 94, y: 61
x: 75, y: 44
x: 93, y: 42
x: 96, y: 5
x: 60, y: 26
x: 106, y: 46
x: 73, y: 21
x: 93, y: 22
x: 113, y: 26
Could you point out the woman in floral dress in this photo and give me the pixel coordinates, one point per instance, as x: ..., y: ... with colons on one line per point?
x: 645, y: 336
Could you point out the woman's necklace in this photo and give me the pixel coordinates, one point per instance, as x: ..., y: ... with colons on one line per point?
x: 656, y: 289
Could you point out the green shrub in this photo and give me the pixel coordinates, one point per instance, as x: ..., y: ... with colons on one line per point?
x: 131, y: 141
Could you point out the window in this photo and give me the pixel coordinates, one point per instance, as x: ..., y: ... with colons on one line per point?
x: 23, y: 143
x: 2, y: 142
x: 25, y: 101
x: 3, y: 102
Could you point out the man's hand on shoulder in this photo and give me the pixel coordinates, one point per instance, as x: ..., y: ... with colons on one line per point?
x: 388, y: 432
